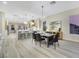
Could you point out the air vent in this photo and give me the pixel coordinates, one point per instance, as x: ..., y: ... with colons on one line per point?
x: 52, y: 2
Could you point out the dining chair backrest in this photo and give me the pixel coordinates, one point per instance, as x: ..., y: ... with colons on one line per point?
x: 56, y: 38
x: 34, y: 35
x: 51, y: 38
x: 38, y: 37
x: 57, y: 35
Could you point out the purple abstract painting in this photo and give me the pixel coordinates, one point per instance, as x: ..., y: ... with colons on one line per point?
x: 74, y: 24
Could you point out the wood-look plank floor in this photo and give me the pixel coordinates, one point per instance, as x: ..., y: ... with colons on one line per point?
x: 14, y: 48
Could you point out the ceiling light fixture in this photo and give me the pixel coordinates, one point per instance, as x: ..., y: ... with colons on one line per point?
x: 4, y: 2
x: 42, y: 10
x: 52, y: 2
x: 43, y: 16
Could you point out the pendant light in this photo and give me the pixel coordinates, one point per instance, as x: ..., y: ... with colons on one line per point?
x: 42, y: 9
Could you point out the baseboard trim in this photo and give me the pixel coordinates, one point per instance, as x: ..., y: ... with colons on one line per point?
x: 70, y: 41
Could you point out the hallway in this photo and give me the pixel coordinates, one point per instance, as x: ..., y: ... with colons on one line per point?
x: 14, y: 48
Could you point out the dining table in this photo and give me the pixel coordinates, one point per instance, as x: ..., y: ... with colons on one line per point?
x: 45, y: 36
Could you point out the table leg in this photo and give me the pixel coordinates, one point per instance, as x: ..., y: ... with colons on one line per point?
x: 47, y: 43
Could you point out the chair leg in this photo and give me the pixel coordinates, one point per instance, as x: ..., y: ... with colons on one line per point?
x: 32, y: 40
x: 35, y: 42
x: 58, y: 43
x: 40, y: 43
x: 47, y: 45
x: 54, y: 45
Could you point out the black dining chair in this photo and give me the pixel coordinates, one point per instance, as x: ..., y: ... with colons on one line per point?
x: 50, y: 41
x: 56, y: 40
x: 39, y: 39
x: 34, y: 36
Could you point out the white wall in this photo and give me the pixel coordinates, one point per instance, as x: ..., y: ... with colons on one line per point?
x: 4, y: 32
x: 64, y: 17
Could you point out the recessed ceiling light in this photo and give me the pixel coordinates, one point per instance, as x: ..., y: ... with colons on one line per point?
x: 4, y: 2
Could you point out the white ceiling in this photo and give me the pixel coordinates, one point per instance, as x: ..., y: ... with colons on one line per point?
x: 32, y: 9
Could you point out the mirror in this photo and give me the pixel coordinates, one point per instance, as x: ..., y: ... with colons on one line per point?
x: 55, y: 25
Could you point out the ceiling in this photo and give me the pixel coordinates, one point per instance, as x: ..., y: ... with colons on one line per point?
x: 32, y: 9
